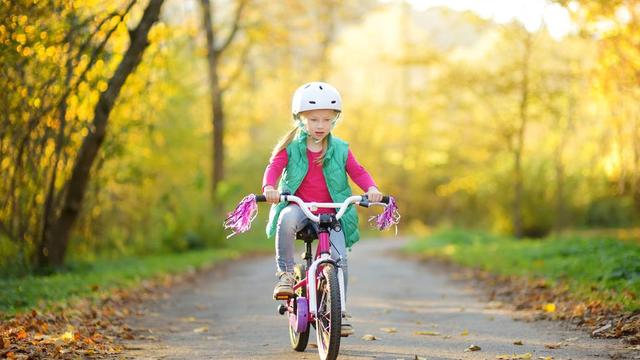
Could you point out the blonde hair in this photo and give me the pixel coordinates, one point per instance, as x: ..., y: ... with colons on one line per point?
x: 288, y: 138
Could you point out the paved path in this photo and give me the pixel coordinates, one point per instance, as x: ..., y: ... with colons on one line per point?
x: 228, y: 313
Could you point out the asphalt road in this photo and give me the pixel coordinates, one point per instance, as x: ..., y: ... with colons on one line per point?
x: 228, y: 313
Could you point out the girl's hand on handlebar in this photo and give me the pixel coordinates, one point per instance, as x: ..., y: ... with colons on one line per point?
x: 272, y: 195
x: 374, y: 194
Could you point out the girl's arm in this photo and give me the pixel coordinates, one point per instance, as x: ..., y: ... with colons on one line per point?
x: 274, y: 169
x: 359, y: 174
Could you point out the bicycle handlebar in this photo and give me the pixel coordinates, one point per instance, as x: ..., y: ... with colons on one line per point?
x: 361, y: 200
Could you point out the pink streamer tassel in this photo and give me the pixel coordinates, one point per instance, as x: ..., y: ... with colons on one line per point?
x: 390, y: 216
x: 239, y: 220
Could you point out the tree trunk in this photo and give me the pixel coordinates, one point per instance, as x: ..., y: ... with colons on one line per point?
x: 217, y: 168
x: 635, y: 143
x: 56, y: 238
x: 327, y: 24
x: 561, y: 216
x: 520, y: 134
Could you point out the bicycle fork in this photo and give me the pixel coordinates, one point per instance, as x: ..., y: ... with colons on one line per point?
x: 311, y: 279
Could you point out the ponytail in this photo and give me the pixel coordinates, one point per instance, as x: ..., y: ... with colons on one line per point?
x: 284, y: 142
x: 288, y: 138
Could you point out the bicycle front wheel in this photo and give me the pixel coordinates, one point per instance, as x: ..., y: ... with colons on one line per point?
x: 328, y: 319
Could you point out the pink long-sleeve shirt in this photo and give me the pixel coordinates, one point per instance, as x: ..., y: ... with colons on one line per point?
x: 314, y: 187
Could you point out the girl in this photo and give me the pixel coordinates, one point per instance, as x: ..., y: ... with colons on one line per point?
x: 316, y: 164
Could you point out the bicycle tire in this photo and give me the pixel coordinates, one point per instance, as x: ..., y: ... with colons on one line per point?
x: 298, y: 340
x: 329, y: 288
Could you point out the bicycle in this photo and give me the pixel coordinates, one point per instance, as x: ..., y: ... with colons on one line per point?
x: 319, y: 297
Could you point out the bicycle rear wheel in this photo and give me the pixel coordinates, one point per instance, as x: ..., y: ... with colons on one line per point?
x: 299, y: 340
x: 328, y: 319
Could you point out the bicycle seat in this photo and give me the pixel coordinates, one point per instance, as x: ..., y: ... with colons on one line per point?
x: 307, y: 234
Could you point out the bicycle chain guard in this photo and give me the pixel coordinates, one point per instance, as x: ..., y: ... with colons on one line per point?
x: 300, y: 320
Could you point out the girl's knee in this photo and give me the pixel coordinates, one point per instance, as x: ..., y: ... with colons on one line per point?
x: 287, y: 218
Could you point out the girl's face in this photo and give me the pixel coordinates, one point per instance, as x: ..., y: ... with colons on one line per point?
x: 318, y: 123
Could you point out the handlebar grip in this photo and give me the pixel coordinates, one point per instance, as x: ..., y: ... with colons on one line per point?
x: 385, y: 200
x: 261, y: 198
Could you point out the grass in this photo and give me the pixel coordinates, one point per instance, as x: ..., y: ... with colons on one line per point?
x: 93, y: 279
x: 594, y: 268
x: 84, y: 279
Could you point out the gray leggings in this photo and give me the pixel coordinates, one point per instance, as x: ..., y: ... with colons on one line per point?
x: 292, y: 220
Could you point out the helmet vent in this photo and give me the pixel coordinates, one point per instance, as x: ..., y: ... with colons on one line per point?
x: 320, y: 86
x: 333, y: 101
x: 311, y: 102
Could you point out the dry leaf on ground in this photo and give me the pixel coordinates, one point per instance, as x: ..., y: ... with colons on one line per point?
x: 430, y: 333
x: 201, y: 330
x: 525, y: 356
x: 473, y: 348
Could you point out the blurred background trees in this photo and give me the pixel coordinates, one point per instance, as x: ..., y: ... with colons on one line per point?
x: 467, y: 121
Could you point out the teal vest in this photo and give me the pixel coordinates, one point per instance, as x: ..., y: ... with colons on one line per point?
x: 335, y: 175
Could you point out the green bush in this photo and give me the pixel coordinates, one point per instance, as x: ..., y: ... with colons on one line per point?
x: 610, y: 212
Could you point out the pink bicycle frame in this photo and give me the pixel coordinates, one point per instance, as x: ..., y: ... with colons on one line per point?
x: 323, y: 248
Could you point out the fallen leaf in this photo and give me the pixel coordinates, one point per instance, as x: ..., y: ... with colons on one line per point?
x: 472, y: 348
x: 430, y: 333
x: 6, y: 343
x: 390, y: 330
x: 67, y: 336
x: 465, y: 332
x: 525, y: 356
x: 369, y: 337
x: 545, y: 358
x: 21, y: 335
x: 518, y: 342
x: 188, y: 319
x: 601, y: 329
x: 201, y: 330
x: 550, y: 307
x: 579, y: 310
x: 553, y: 346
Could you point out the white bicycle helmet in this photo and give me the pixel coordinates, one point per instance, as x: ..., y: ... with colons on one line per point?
x: 314, y: 96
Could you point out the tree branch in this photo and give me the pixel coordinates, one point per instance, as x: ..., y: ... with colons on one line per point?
x: 238, y: 71
x: 234, y: 29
